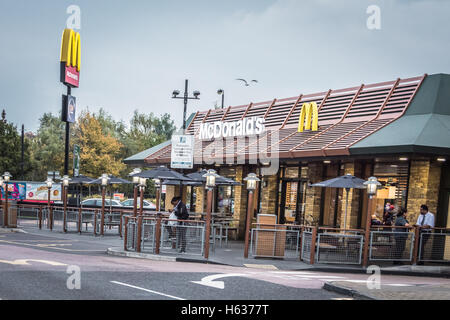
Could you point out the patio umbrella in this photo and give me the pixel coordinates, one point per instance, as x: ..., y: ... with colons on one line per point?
x: 162, y: 173
x: 220, y: 180
x: 80, y: 180
x: 346, y: 182
x: 112, y: 180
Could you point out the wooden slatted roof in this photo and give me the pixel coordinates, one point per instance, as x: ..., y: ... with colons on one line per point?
x: 346, y: 116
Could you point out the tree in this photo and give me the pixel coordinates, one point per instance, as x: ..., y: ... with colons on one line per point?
x: 47, y: 147
x: 146, y: 131
x: 100, y: 152
x: 11, y: 149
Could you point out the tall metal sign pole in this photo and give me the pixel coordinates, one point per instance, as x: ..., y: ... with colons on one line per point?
x: 70, y: 65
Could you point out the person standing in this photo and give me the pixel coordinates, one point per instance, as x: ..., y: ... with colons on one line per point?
x: 401, y: 234
x: 182, y: 213
x: 425, y: 222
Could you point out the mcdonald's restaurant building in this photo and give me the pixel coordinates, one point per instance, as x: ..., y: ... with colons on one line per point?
x: 397, y: 131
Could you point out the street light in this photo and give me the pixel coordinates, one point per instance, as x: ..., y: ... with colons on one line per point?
x: 65, y: 183
x: 49, y: 183
x: 185, y: 97
x: 135, y: 178
x: 6, y: 177
x: 142, y: 184
x: 104, y: 180
x: 210, y: 176
x: 2, y: 186
x: 372, y: 186
x: 221, y: 92
x: 251, y: 179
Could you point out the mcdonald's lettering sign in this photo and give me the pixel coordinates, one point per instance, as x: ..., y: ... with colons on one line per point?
x: 310, y: 114
x: 70, y: 58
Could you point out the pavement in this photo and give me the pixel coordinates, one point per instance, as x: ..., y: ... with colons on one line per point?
x: 398, y: 282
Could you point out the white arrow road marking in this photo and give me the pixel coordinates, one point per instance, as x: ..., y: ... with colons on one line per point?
x: 25, y: 262
x: 209, y: 280
x: 147, y: 290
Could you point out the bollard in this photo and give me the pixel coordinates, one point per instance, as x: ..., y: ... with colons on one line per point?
x: 40, y: 218
x: 158, y: 233
x: 416, y: 245
x: 313, y: 246
x: 125, y: 236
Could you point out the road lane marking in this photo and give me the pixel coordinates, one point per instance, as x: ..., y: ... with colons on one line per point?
x: 261, y: 266
x: 209, y: 280
x: 25, y: 262
x: 56, y: 248
x: 147, y: 290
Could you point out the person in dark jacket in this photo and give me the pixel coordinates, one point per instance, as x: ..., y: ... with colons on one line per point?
x: 180, y: 210
x: 401, y: 234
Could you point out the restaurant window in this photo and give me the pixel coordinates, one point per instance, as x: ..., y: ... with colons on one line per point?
x: 225, y: 199
x: 394, y: 180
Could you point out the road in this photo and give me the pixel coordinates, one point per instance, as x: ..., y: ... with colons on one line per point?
x: 35, y: 266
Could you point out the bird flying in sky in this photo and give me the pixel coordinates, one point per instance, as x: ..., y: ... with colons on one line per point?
x: 246, y: 83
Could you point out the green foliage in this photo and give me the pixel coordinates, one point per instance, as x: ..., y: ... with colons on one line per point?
x: 11, y: 150
x: 47, y: 148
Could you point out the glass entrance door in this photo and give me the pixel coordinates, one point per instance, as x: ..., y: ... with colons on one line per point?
x: 292, y: 204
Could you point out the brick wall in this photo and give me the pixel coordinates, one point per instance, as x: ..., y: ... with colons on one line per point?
x: 423, y: 187
x: 313, y: 194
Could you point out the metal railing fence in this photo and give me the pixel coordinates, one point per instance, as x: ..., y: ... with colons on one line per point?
x: 182, y: 236
x: 396, y: 244
x: 434, y: 245
x: 339, y: 246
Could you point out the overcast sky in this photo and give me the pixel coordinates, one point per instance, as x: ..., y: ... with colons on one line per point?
x: 135, y: 53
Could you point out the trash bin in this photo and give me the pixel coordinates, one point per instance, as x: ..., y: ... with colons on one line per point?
x: 270, y: 243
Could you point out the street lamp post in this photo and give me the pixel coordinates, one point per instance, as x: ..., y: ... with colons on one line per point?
x: 221, y: 92
x: 6, y: 177
x: 135, y: 189
x: 251, y: 179
x: 185, y: 98
x: 49, y: 183
x: 158, y: 194
x: 142, y: 184
x: 2, y: 186
x: 210, y: 184
x: 104, y: 181
x: 372, y: 186
x: 65, y: 183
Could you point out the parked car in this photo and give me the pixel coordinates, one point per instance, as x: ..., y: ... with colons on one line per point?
x: 147, y: 204
x: 97, y: 203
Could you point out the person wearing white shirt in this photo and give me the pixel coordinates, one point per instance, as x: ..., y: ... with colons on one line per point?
x: 426, y: 218
x: 426, y: 222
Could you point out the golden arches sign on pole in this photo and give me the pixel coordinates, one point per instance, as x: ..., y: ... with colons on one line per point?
x: 70, y: 58
x: 71, y: 48
x: 310, y: 113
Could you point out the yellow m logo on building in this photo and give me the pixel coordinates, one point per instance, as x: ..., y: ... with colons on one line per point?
x: 71, y: 49
x: 310, y: 113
